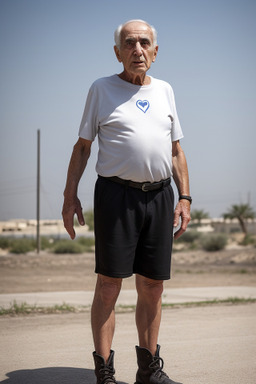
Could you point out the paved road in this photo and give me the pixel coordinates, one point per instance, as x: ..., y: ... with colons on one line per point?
x: 128, y: 297
x: 200, y: 345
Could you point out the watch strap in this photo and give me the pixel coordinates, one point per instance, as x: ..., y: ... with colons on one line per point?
x: 186, y: 197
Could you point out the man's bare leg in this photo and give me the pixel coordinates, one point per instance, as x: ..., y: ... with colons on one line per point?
x: 103, y: 313
x: 148, y: 311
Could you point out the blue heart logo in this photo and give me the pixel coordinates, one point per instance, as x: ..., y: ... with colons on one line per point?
x: 143, y: 105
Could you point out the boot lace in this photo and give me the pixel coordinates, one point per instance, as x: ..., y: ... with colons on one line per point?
x: 157, y: 367
x: 107, y: 375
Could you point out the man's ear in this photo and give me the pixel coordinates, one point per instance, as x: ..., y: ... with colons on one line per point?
x: 155, y: 53
x: 117, y: 52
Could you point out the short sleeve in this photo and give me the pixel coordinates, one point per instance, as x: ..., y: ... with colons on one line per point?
x: 176, y: 133
x: 89, y: 123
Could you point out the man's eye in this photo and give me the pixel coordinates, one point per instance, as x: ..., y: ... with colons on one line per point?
x: 145, y: 43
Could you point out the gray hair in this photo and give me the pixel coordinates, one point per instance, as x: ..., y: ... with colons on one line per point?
x: 117, y: 34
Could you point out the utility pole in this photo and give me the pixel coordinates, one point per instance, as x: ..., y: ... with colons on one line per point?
x: 38, y: 194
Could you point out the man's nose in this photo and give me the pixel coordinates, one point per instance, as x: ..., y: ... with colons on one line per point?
x: 138, y: 49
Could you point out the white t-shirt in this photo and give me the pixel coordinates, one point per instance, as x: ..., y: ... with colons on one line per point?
x: 135, y: 126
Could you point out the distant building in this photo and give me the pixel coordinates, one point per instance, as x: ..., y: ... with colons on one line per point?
x: 28, y: 227
x: 55, y: 227
x: 227, y: 226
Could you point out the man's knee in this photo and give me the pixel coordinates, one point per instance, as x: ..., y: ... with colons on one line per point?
x: 108, y: 289
x: 149, y: 289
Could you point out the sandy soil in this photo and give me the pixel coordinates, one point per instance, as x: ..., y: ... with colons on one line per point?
x: 50, y: 272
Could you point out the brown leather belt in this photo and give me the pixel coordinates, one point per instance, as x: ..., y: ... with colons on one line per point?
x: 145, y: 187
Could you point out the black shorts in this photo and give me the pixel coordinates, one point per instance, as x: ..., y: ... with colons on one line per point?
x: 133, y: 230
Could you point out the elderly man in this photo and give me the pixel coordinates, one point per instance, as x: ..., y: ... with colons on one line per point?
x: 135, y: 119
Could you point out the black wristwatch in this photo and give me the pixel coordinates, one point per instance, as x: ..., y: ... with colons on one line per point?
x: 185, y: 197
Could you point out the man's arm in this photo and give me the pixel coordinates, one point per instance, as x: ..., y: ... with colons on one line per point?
x: 72, y: 205
x: 181, y: 178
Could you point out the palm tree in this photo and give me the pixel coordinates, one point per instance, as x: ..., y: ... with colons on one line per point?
x: 240, y: 212
x: 199, y: 215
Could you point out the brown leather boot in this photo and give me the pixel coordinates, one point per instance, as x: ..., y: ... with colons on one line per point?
x: 104, y: 371
x: 151, y: 368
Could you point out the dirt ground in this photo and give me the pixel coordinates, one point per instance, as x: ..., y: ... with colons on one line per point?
x: 49, y: 272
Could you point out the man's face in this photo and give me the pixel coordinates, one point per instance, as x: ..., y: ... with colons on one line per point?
x: 136, y: 50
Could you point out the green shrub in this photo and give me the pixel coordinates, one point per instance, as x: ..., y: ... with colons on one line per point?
x: 214, y: 242
x: 248, y: 240
x: 67, y: 246
x: 189, y: 237
x: 23, y: 245
x: 5, y: 242
x: 87, y: 243
x: 46, y: 242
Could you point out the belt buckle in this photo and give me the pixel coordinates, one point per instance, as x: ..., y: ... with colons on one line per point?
x: 144, y: 186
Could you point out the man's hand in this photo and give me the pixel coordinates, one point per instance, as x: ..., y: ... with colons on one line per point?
x: 182, y: 210
x: 70, y: 208
x: 72, y: 205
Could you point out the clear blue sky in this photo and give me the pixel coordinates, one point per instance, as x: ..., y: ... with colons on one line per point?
x: 52, y: 50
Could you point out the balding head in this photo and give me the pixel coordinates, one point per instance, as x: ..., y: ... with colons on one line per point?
x: 118, y: 31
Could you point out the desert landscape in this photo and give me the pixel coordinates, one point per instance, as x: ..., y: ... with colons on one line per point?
x: 47, y: 272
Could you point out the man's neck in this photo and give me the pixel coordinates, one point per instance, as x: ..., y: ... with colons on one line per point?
x: 135, y: 79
